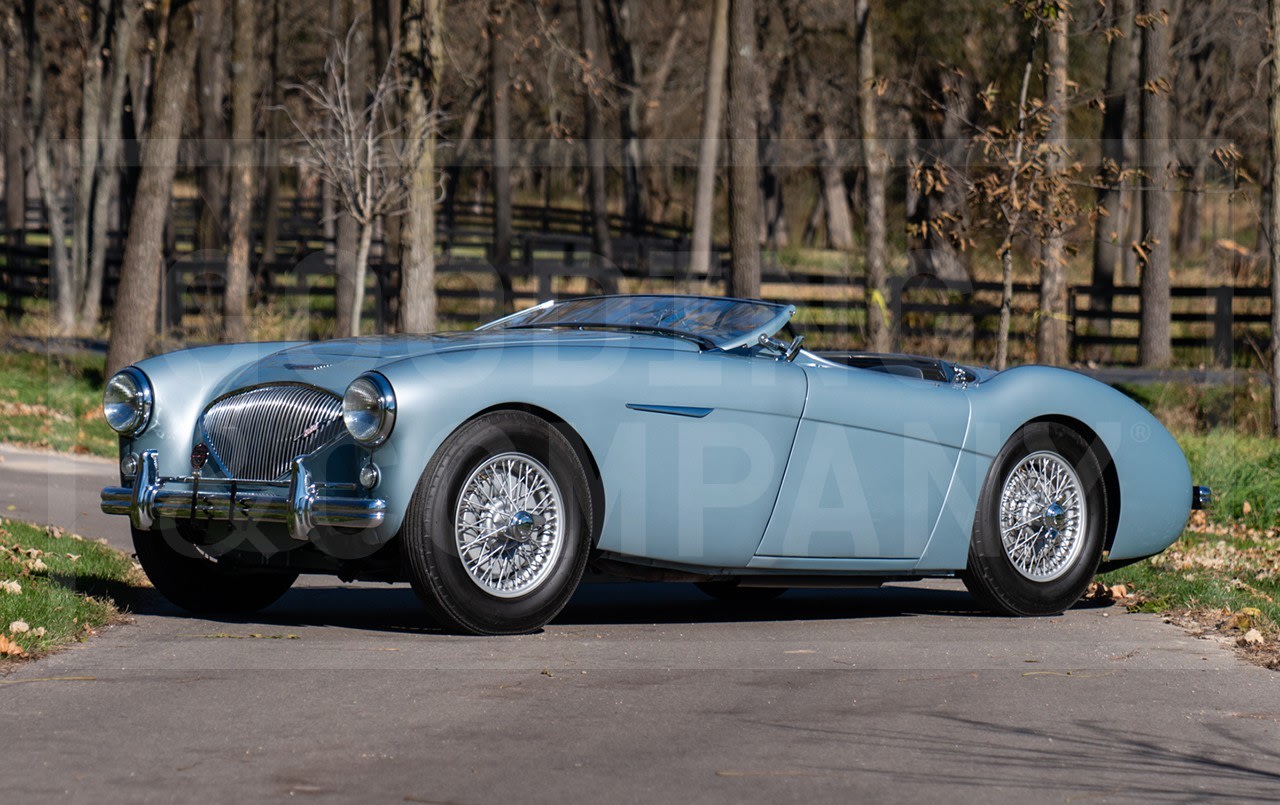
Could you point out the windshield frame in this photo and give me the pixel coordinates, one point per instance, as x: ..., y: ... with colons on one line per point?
x: 782, y: 315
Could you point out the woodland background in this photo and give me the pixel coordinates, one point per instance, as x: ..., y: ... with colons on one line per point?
x: 1057, y: 181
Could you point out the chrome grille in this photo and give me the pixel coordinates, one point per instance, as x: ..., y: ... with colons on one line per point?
x: 255, y: 434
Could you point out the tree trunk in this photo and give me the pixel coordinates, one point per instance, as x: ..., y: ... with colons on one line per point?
x: 835, y: 200
x: 108, y: 177
x: 775, y: 230
x: 877, y: 180
x: 211, y: 83
x: 243, y: 91
x: 134, y: 318
x: 423, y: 60
x: 1051, y: 335
x: 501, y: 33
x: 744, y: 173
x: 1273, y: 219
x: 15, y: 173
x: 1154, y: 347
x: 708, y: 145
x: 271, y: 160
x: 1109, y: 229
x: 598, y: 189
x: 48, y: 170
x: 386, y: 18
x: 360, y: 268
x: 1189, y: 209
x: 90, y: 145
x: 348, y: 230
x: 619, y: 17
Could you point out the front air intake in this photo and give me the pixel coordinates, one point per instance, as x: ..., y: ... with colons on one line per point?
x: 255, y: 434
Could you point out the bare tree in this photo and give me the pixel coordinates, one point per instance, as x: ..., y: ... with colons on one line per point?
x: 1272, y: 223
x: 50, y: 170
x: 99, y: 13
x: 358, y: 150
x: 1051, y: 333
x: 243, y: 91
x: 501, y: 34
x: 1154, y: 345
x: 597, y: 184
x: 708, y: 144
x: 423, y: 63
x: 877, y: 160
x: 134, y: 320
x: 15, y: 174
x: 107, y: 180
x: 1109, y: 227
x: 211, y: 91
x: 744, y: 172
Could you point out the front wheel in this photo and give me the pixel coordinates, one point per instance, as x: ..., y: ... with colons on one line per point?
x: 498, y: 532
x: 1040, y: 525
x: 202, y: 586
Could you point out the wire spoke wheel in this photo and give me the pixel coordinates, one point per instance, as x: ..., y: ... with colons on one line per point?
x: 509, y: 524
x: 1044, y: 512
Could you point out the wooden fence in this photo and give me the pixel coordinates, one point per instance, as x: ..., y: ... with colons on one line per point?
x: 552, y: 257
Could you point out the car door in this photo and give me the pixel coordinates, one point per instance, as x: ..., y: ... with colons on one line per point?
x: 693, y: 461
x: 872, y: 462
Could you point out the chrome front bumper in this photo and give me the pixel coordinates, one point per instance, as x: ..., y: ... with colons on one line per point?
x: 301, y: 507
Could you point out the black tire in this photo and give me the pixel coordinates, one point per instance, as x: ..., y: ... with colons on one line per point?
x: 733, y: 591
x: 204, y: 587
x: 992, y: 575
x: 428, y: 537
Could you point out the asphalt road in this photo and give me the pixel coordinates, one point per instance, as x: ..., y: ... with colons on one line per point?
x: 637, y: 693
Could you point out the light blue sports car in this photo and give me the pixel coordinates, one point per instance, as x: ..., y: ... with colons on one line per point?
x: 673, y: 438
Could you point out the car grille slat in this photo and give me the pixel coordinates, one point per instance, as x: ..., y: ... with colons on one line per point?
x: 256, y: 433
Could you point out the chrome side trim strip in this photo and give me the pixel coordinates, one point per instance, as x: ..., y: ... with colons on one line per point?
x: 674, y: 410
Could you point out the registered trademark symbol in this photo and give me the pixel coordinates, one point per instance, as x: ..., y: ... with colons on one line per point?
x: 1141, y: 432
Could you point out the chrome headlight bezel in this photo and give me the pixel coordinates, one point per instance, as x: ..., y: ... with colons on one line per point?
x: 369, y: 409
x: 128, y: 392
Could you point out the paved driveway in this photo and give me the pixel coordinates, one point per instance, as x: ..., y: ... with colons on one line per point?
x: 637, y: 693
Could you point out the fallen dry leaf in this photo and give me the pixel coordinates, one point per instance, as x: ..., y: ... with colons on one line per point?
x: 11, y: 587
x: 8, y: 648
x: 18, y: 627
x: 1251, y: 638
x: 1246, y: 508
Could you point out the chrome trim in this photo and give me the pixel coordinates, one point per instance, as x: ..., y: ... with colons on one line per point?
x: 148, y: 394
x: 254, y: 433
x: 386, y: 398
x: 675, y: 410
x: 1201, y: 498
x: 1043, y: 516
x: 302, y: 508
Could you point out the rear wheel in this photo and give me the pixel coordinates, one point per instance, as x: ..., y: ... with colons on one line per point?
x: 1040, y: 525
x: 191, y: 581
x: 498, y: 532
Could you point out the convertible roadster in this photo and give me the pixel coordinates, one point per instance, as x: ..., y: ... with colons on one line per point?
x: 670, y: 438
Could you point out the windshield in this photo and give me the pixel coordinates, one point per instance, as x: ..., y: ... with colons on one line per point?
x: 712, y: 321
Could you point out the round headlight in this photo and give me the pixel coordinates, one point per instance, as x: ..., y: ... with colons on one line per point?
x: 369, y: 409
x: 127, y: 401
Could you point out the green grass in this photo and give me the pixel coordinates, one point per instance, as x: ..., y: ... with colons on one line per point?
x: 1229, y: 558
x: 66, y: 586
x: 54, y: 402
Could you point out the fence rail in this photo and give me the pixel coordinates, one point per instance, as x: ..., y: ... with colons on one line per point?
x: 552, y: 257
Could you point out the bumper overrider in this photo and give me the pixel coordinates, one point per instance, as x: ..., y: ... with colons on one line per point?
x: 298, y: 503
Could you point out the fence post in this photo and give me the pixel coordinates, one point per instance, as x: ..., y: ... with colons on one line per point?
x: 1224, y: 346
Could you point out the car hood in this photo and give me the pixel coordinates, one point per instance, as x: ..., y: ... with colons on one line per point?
x: 334, y: 364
